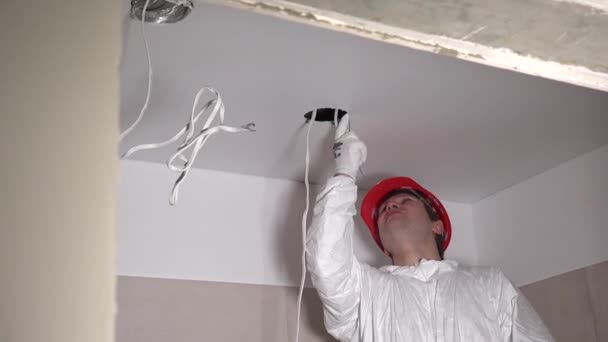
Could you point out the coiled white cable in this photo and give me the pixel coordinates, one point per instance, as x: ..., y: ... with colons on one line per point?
x: 195, y: 143
x: 192, y: 142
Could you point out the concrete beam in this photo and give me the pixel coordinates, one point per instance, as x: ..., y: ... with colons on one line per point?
x: 563, y: 40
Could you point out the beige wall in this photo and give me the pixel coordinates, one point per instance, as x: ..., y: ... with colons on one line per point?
x: 574, y: 305
x: 159, y: 310
x: 58, y: 135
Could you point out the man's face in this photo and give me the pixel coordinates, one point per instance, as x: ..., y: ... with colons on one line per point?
x: 403, y: 217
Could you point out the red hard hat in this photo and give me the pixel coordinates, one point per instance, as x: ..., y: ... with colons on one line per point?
x: 373, y: 199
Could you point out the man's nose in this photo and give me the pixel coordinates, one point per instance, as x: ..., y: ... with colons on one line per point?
x: 390, y: 206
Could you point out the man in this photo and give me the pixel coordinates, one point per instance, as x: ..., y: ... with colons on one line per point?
x: 421, y: 297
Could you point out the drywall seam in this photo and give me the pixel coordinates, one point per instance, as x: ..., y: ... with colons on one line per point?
x: 496, y: 57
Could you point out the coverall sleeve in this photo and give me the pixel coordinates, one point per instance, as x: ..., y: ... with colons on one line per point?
x: 334, y: 270
x: 519, y: 322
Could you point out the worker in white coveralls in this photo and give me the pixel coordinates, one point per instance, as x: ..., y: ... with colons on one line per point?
x: 420, y: 297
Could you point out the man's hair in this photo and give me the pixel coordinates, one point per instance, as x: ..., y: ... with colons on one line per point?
x: 439, y: 238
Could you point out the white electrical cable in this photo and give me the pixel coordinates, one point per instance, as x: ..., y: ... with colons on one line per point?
x: 304, y: 225
x: 195, y: 143
x: 145, y: 106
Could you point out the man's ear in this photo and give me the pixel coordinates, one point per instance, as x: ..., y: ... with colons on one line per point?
x: 438, y: 227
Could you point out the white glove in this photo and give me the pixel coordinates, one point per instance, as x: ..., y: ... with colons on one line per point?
x: 349, y: 151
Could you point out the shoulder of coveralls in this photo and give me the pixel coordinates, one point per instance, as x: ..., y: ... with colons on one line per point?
x: 483, y: 274
x: 373, y: 278
x: 494, y: 281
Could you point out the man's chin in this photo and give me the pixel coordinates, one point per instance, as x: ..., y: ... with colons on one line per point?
x: 396, y: 222
x: 395, y: 219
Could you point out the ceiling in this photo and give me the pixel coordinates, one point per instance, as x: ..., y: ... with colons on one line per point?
x: 464, y: 130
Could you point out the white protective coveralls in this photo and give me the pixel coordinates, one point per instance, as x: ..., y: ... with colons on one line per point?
x: 433, y: 301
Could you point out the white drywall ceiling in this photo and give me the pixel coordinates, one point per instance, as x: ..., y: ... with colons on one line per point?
x: 463, y: 129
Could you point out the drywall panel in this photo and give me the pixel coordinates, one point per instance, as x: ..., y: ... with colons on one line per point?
x: 572, y: 305
x: 231, y: 228
x: 463, y: 129
x: 160, y: 310
x: 549, y: 224
x: 58, y: 190
x: 564, y: 304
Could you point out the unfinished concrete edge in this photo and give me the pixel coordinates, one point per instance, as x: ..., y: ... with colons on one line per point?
x: 600, y: 5
x: 496, y: 57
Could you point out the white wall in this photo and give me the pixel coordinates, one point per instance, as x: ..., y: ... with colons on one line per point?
x: 549, y: 224
x: 246, y: 229
x: 231, y: 228
x: 58, y: 139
